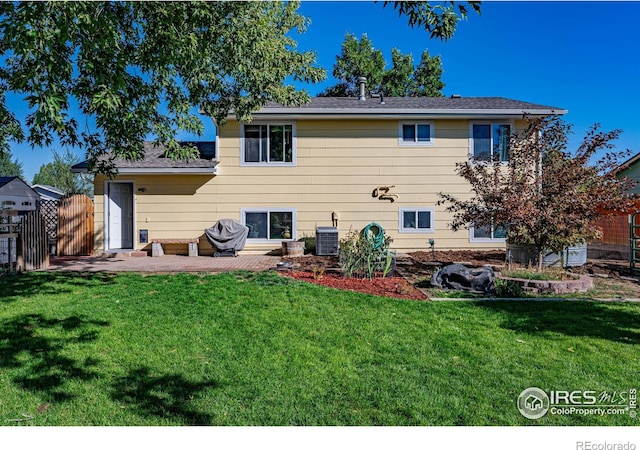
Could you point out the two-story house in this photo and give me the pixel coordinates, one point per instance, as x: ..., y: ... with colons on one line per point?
x: 341, y: 162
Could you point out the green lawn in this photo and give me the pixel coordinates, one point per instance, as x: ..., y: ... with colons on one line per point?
x: 259, y: 349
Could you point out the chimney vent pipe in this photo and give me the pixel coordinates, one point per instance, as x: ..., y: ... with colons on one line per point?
x: 361, y: 86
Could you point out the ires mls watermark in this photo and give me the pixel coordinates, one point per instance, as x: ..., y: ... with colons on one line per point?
x: 534, y: 403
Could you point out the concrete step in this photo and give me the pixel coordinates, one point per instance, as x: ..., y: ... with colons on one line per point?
x: 125, y: 254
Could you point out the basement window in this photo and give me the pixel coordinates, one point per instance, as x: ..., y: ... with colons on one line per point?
x: 416, y: 220
x: 493, y: 233
x: 268, y: 225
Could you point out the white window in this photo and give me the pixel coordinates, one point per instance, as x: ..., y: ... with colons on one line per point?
x: 416, y: 133
x: 268, y: 144
x: 489, y: 141
x: 269, y: 224
x: 416, y: 220
x: 491, y: 233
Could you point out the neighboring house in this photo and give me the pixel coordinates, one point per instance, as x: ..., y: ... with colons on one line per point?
x: 18, y: 195
x: 615, y: 242
x: 48, y: 192
x: 631, y: 169
x: 341, y: 162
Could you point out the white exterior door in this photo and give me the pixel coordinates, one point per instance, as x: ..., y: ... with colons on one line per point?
x: 120, y: 215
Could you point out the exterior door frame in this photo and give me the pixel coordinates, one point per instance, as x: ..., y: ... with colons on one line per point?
x: 107, y: 231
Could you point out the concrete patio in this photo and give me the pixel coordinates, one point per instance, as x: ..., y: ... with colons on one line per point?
x: 163, y: 264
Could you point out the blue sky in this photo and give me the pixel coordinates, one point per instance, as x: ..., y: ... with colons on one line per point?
x: 580, y: 56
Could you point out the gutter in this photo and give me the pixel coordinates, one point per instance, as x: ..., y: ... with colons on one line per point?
x: 162, y: 170
x: 316, y: 113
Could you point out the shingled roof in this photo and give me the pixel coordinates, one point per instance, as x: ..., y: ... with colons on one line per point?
x: 433, y: 106
x: 5, y: 180
x: 155, y: 161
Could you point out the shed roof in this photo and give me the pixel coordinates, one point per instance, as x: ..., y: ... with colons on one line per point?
x: 5, y: 180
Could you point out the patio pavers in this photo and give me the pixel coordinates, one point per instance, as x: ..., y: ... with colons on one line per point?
x: 163, y: 264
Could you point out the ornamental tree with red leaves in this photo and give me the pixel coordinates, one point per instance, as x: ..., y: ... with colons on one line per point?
x: 545, y: 197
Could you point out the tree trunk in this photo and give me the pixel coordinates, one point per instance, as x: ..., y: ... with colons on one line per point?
x: 540, y: 258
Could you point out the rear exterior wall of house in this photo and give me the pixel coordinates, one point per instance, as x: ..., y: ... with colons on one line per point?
x: 336, y: 167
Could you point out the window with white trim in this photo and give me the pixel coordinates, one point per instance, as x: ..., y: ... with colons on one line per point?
x: 489, y: 141
x: 269, y: 224
x: 416, y: 220
x: 416, y: 133
x: 268, y: 144
x: 492, y: 233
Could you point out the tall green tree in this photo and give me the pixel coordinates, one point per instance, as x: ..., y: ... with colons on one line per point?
x: 105, y: 75
x: 140, y: 68
x: 440, y: 19
x: 427, y: 79
x: 58, y: 174
x: 10, y: 167
x: 360, y: 58
x: 398, y: 80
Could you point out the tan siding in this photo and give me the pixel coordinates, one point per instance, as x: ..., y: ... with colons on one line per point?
x: 339, y: 164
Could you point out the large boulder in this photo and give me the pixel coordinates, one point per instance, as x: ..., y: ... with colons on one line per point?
x: 457, y: 276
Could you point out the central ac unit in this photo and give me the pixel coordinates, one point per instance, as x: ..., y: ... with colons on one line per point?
x: 326, y: 241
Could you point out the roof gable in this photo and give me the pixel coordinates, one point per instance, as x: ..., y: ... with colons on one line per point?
x: 14, y: 186
x: 48, y: 192
x: 5, y: 180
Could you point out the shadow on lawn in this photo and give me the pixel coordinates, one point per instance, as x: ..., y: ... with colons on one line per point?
x: 24, y: 343
x: 15, y: 286
x: 168, y: 395
x: 571, y: 318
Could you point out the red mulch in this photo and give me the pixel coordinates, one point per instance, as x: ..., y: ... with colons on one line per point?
x: 420, y: 266
x: 395, y: 287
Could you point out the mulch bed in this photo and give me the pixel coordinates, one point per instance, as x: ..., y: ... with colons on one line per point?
x: 419, y: 266
x: 473, y: 257
x: 396, y: 287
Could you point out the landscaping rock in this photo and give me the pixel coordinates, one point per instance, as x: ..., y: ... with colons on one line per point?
x: 460, y: 277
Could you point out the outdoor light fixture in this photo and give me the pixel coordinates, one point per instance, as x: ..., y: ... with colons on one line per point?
x: 432, y: 243
x: 142, y: 189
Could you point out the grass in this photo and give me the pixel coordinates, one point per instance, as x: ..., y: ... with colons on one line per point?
x: 544, y: 275
x: 259, y: 349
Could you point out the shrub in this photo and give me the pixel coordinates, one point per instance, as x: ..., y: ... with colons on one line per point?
x: 359, y: 257
x: 309, y: 244
x: 508, y: 289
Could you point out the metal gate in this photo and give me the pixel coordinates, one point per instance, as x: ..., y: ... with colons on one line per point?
x: 75, y: 225
x: 634, y: 240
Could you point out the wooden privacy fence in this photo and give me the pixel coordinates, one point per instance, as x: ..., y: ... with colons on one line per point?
x: 614, y: 242
x: 26, y: 241
x: 75, y: 225
x: 35, y: 248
